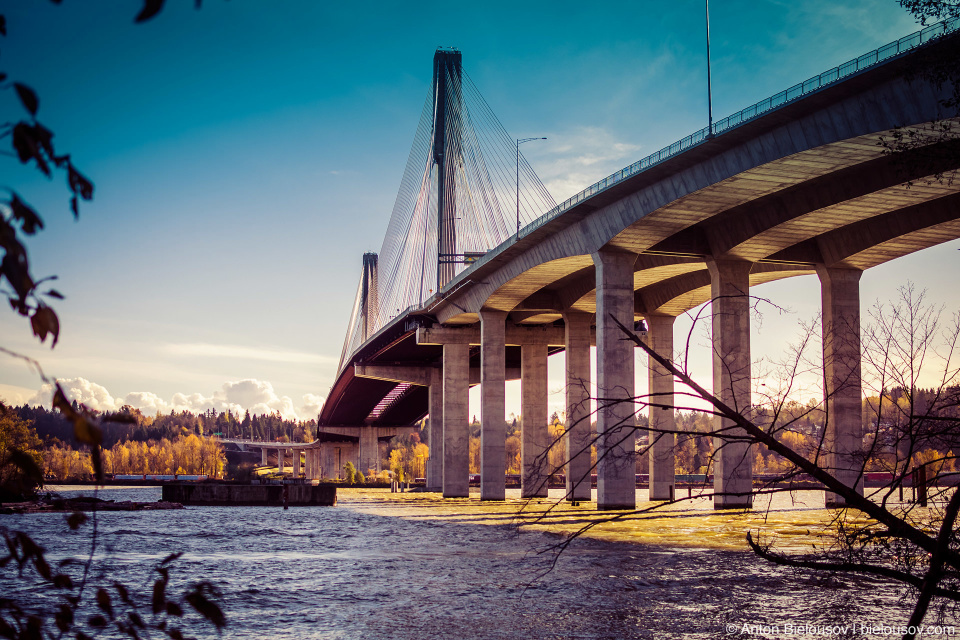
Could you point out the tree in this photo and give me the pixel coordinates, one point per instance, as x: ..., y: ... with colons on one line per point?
x: 20, y: 457
x: 914, y: 433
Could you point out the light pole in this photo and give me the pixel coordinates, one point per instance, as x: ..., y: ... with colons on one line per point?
x: 709, y: 88
x: 520, y: 141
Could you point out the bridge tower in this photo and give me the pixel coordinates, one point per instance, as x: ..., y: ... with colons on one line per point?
x: 447, y: 110
x: 369, y: 300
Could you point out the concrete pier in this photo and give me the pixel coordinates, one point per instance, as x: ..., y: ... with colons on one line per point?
x: 843, y: 438
x: 661, y: 420
x: 535, y: 435
x: 435, y: 436
x: 456, y: 434
x: 280, y: 460
x: 733, y: 461
x: 369, y: 451
x: 578, y: 436
x: 493, y: 405
x: 616, y: 469
x: 263, y: 457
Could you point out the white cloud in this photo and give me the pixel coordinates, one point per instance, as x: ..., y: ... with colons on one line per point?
x: 578, y: 158
x: 82, y: 390
x: 207, y: 350
x: 255, y: 396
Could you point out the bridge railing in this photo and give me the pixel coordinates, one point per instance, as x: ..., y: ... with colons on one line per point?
x: 867, y: 60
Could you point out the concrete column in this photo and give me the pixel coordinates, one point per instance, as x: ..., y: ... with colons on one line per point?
x: 616, y: 451
x: 296, y: 462
x: 280, y: 457
x: 534, y: 433
x: 456, y: 428
x: 661, y: 451
x: 306, y: 463
x: 435, y: 437
x: 733, y: 461
x: 578, y: 436
x: 493, y: 405
x: 369, y: 455
x: 263, y: 457
x: 843, y: 440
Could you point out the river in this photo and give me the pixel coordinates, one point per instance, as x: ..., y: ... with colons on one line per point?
x: 411, y: 566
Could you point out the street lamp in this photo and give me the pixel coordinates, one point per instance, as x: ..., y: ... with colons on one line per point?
x: 520, y: 141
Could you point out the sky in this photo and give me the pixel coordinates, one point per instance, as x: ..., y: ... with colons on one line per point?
x: 246, y: 155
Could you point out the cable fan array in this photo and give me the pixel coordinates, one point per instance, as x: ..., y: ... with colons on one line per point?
x: 477, y: 168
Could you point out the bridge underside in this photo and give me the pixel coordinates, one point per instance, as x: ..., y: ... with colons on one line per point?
x: 804, y: 189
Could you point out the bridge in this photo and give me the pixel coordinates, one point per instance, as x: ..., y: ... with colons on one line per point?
x: 462, y: 293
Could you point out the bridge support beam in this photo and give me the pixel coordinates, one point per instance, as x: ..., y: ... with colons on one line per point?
x: 435, y: 436
x: 662, y: 421
x: 456, y: 429
x: 535, y: 435
x: 263, y: 457
x: 733, y: 462
x: 578, y: 436
x: 296, y: 462
x: 616, y: 465
x: 369, y: 455
x: 280, y: 460
x: 843, y: 440
x: 493, y: 405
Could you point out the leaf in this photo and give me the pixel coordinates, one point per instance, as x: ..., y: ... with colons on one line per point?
x: 103, y: 601
x: 159, y: 597
x: 53, y: 293
x: 204, y: 606
x: 3, y: 31
x: 150, y: 9
x: 28, y: 146
x: 173, y: 609
x: 27, y: 97
x: 76, y: 519
x: 97, y: 621
x: 170, y: 558
x: 63, y: 581
x: 123, y: 593
x: 30, y: 222
x: 3, y: 76
x: 79, y: 183
x: 45, y: 322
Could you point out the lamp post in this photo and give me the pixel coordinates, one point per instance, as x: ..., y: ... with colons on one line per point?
x: 520, y: 141
x: 709, y: 88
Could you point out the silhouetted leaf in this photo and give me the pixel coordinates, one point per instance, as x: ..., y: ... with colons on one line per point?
x: 96, y: 458
x: 27, y: 97
x: 103, y: 601
x: 170, y: 558
x: 64, y: 617
x: 175, y: 634
x: 123, y: 593
x: 74, y: 207
x: 76, y: 519
x: 150, y: 9
x: 53, y: 293
x: 3, y: 77
x: 159, y: 595
x: 27, y: 465
x: 78, y: 183
x: 174, y: 609
x: 28, y: 147
x: 199, y: 599
x: 97, y: 621
x: 30, y: 222
x: 63, y: 581
x: 3, y: 27
x: 44, y: 321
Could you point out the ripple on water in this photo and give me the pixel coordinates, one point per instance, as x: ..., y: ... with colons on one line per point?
x: 405, y: 566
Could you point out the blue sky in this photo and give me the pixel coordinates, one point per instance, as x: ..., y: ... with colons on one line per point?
x: 247, y: 154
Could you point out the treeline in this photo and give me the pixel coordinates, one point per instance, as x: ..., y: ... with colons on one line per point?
x: 131, y: 424
x: 188, y: 454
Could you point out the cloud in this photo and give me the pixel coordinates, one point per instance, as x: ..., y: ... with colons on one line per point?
x: 578, y: 158
x: 255, y: 396
x: 207, y: 350
x: 82, y: 390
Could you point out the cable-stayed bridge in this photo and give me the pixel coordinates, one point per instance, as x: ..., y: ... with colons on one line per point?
x: 481, y: 276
